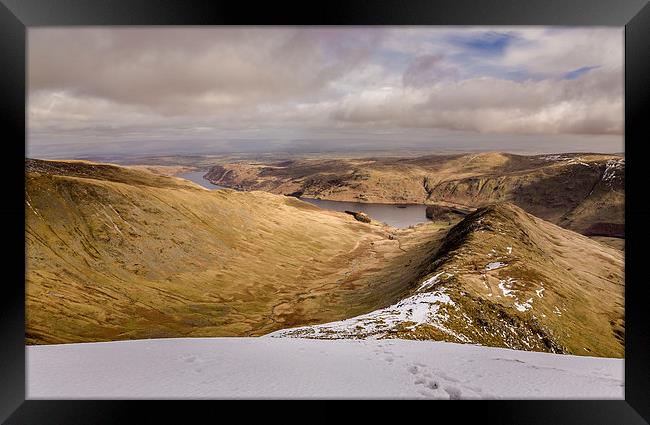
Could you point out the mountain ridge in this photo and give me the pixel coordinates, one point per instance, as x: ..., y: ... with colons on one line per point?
x: 501, y: 277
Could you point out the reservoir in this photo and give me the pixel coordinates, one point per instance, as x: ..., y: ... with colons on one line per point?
x: 400, y: 216
x: 197, y: 177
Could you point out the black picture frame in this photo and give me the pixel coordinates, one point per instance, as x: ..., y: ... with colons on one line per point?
x: 18, y: 15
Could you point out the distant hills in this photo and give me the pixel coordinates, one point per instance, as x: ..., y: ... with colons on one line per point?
x: 582, y: 192
x: 116, y: 253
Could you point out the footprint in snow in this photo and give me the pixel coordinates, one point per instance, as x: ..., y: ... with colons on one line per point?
x: 437, y: 384
x: 392, y: 354
x: 428, y: 383
x: 426, y: 380
x: 188, y: 359
x: 454, y: 392
x: 445, y: 376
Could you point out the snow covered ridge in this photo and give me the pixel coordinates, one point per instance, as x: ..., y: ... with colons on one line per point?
x: 612, y: 165
x: 300, y: 368
x: 431, y: 306
x: 407, y: 314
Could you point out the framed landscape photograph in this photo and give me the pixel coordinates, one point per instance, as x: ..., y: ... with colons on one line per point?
x: 418, y: 201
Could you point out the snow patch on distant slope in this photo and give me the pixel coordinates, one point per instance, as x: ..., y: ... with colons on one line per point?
x: 506, y: 285
x: 435, y: 279
x: 553, y: 158
x: 495, y: 265
x: 525, y: 306
x: 612, y: 167
x: 567, y: 159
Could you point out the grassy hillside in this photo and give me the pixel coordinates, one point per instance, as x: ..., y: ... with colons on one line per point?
x: 114, y: 253
x: 504, y: 278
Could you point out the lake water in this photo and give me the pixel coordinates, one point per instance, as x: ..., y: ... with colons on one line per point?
x: 388, y: 213
x: 197, y: 177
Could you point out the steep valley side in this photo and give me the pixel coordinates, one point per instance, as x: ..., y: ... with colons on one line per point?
x: 114, y: 253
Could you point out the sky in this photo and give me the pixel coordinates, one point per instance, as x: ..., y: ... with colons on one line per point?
x: 113, y: 90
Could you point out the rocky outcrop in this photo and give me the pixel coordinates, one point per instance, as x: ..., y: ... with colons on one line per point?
x: 296, y: 194
x: 359, y: 216
x: 441, y: 212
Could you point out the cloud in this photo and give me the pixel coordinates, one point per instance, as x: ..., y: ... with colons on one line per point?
x: 490, y: 105
x: 176, y: 70
x: 94, y: 85
x: 558, y: 50
x: 427, y: 70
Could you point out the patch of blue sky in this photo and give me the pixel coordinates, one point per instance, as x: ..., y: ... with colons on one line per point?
x: 490, y: 43
x: 472, y: 67
x: 577, y: 73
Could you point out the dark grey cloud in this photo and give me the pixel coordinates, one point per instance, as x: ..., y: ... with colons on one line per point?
x: 427, y: 70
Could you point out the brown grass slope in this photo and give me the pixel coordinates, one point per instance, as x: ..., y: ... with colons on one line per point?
x: 512, y: 280
x: 558, y: 290
x: 114, y: 254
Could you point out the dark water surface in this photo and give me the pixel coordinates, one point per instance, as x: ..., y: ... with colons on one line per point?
x: 400, y: 217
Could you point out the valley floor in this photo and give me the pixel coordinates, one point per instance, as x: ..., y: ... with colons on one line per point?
x: 301, y: 368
